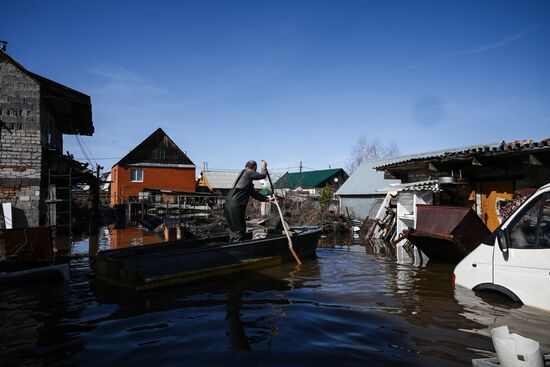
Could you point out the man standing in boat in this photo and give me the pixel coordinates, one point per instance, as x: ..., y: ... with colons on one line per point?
x: 237, y: 199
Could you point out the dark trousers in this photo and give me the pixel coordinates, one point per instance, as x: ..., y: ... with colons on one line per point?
x: 236, y: 221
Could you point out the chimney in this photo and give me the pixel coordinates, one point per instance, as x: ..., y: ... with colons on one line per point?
x: 3, y: 45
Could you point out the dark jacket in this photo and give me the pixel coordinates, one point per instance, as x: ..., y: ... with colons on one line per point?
x: 244, y: 187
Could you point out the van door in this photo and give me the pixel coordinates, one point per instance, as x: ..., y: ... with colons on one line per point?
x: 525, y: 268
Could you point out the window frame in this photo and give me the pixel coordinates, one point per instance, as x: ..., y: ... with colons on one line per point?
x: 134, y: 177
x: 542, y: 198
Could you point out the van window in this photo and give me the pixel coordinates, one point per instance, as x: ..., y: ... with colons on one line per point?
x: 544, y: 226
x: 531, y: 228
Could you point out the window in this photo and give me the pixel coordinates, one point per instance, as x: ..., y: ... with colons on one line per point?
x: 159, y: 153
x: 136, y: 174
x: 531, y: 229
x: 544, y: 226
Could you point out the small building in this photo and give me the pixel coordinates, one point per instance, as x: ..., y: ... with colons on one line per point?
x: 484, y: 177
x: 35, y: 176
x: 312, y: 182
x: 365, y: 190
x: 219, y: 183
x: 156, y: 163
x: 363, y: 193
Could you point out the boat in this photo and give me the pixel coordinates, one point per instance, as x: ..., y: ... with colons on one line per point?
x: 39, y: 273
x: 191, y: 260
x: 447, y: 233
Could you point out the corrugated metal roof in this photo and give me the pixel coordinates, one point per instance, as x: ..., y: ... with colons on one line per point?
x: 307, y: 180
x: 430, y: 185
x: 366, y: 180
x: 225, y: 180
x: 477, y: 150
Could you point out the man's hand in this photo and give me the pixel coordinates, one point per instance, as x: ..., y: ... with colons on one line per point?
x: 264, y: 164
x: 272, y: 199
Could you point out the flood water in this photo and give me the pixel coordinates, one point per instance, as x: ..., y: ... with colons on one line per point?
x: 354, y: 305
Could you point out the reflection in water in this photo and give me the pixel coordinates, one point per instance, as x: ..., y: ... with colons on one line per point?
x: 132, y: 236
x: 489, y: 311
x: 353, y: 305
x: 236, y: 296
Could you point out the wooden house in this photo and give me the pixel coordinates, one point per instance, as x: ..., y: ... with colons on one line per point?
x: 157, y: 163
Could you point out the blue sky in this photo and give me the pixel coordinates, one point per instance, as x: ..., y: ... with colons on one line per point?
x: 291, y: 81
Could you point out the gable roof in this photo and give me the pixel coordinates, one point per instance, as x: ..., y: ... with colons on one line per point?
x: 224, y: 180
x: 308, y: 180
x: 72, y: 109
x: 143, y: 153
x: 365, y: 180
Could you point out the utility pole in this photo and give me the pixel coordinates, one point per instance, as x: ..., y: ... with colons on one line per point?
x: 300, y: 166
x: 94, y: 217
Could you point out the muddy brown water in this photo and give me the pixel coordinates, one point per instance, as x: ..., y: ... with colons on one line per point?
x: 356, y: 304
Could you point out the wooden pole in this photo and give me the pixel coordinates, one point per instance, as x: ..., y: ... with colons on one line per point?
x: 290, y: 247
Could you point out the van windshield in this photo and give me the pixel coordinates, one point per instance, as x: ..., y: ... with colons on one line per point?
x: 531, y: 227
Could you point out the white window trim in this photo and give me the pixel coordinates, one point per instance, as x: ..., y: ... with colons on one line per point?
x: 136, y: 169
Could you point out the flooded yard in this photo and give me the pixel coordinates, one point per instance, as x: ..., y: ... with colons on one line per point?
x: 353, y: 305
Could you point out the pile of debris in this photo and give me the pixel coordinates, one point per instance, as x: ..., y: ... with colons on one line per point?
x: 384, y: 224
x: 506, y: 208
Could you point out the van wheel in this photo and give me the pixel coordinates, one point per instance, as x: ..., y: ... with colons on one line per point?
x: 490, y: 287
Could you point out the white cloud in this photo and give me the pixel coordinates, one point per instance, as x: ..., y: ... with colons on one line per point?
x: 486, y: 48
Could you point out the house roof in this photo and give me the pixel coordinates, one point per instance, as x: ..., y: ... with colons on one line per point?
x: 366, y: 180
x: 224, y: 180
x: 493, y: 149
x: 143, y: 153
x: 71, y: 109
x: 307, y: 180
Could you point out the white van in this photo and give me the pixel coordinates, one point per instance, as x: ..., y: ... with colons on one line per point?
x: 515, y: 259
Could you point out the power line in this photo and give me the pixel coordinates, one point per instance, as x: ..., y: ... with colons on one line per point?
x: 90, y: 152
x: 84, y: 151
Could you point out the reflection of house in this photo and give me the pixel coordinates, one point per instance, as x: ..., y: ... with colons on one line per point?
x: 156, y: 163
x: 220, y: 182
x: 131, y: 236
x: 35, y: 112
x: 311, y: 182
x: 482, y: 177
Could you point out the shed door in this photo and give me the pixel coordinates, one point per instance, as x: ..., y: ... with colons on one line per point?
x: 491, y: 193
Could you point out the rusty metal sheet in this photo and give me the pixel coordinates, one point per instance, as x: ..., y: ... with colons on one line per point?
x: 447, y: 233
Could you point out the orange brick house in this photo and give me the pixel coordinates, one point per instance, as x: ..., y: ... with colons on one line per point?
x: 156, y: 163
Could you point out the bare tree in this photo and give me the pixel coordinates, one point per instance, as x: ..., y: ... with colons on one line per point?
x: 369, y: 149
